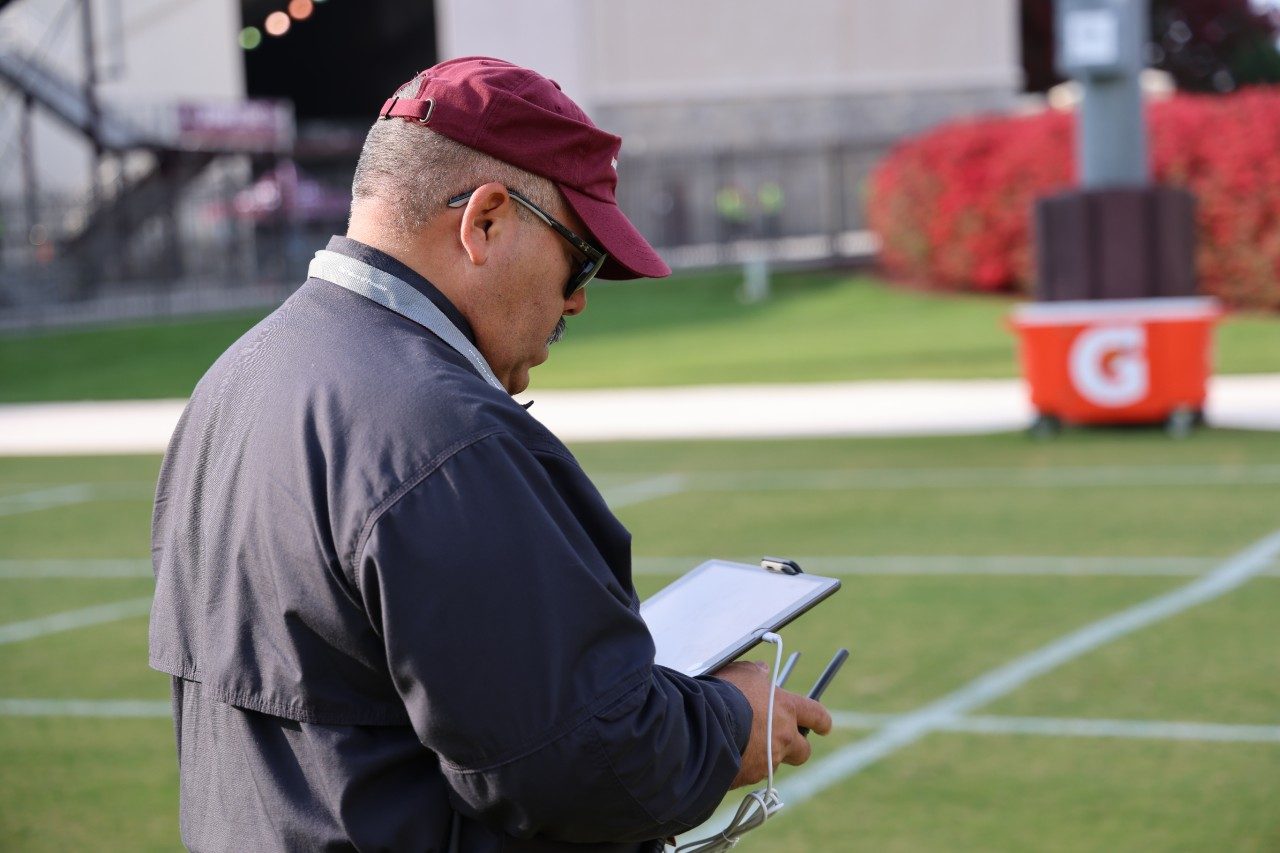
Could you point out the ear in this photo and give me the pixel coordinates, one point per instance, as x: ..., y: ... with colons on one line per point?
x: 485, y: 220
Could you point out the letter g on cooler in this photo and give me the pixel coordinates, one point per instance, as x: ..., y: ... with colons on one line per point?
x: 1109, y: 366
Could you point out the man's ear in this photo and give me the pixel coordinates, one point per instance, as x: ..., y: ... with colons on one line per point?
x: 485, y: 220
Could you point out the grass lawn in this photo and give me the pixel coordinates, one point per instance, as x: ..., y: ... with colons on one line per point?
x: 80, y: 784
x: 688, y: 330
x: 1010, y: 793
x: 1145, y: 675
x: 110, y: 783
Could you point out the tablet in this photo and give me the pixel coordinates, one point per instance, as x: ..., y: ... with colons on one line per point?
x: 719, y: 610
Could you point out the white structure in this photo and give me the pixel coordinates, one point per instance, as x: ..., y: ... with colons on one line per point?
x: 670, y: 74
x: 753, y: 96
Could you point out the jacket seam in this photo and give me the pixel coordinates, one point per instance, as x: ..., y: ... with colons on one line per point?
x: 604, y: 753
x: 604, y: 703
x: 250, y: 701
x: 412, y: 481
x: 739, y: 728
x: 538, y: 446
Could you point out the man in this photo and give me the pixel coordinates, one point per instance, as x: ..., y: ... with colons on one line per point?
x: 397, y: 614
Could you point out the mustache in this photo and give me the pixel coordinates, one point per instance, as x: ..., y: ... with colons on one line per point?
x: 558, y: 332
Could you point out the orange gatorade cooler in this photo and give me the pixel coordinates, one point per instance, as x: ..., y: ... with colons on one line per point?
x: 1120, y: 361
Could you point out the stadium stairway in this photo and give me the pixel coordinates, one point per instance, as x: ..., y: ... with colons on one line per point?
x: 124, y: 209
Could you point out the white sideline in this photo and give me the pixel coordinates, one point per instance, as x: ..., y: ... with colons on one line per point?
x: 1085, y: 728
x: 68, y: 620
x: 911, y: 727
x: 879, y: 408
x: 72, y: 429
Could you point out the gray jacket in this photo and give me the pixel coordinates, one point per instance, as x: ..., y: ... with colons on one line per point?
x: 399, y: 616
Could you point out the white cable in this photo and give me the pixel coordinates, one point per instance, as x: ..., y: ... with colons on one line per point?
x: 770, y: 637
x: 758, y: 806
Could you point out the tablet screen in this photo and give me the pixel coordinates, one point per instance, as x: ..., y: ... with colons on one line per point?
x: 720, y: 609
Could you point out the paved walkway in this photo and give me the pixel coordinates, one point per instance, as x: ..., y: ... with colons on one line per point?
x: 713, y: 411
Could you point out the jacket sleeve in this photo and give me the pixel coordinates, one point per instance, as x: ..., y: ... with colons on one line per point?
x: 524, y: 665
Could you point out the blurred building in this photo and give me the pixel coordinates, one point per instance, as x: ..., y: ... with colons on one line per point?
x: 213, y: 142
x: 741, y: 94
x: 671, y: 76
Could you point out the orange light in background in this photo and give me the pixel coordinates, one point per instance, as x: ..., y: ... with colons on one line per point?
x: 300, y: 10
x: 277, y: 24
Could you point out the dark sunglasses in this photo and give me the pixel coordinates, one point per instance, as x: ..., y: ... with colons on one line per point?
x: 594, y: 257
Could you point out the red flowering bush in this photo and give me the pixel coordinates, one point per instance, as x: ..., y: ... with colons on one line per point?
x: 953, y: 207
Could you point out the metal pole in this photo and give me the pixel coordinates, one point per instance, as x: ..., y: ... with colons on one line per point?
x: 30, y: 185
x: 92, y: 108
x: 115, y: 39
x: 1100, y: 44
x: 720, y: 167
x: 838, y: 191
x: 1113, y: 130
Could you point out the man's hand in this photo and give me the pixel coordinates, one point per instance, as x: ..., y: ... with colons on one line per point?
x: 790, y: 711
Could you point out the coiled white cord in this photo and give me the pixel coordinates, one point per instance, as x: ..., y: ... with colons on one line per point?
x: 758, y: 806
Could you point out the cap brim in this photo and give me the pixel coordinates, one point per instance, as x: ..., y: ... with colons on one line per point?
x: 630, y: 255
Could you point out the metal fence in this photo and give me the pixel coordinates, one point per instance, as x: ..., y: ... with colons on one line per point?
x: 233, y: 239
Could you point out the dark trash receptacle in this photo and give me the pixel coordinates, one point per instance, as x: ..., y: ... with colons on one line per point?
x: 1121, y: 243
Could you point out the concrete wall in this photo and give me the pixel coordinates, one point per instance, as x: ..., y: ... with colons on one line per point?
x: 671, y: 74
x: 547, y: 35
x: 150, y: 55
x: 711, y: 94
x: 761, y: 48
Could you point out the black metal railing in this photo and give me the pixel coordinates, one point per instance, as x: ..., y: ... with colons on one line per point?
x: 235, y: 234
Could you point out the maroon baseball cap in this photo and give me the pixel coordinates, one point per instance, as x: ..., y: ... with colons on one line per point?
x: 522, y: 118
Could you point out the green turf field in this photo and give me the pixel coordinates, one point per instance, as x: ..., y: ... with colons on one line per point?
x: 688, y: 330
x: 958, y: 555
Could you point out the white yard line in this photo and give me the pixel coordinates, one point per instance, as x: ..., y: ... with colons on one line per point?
x: 1079, y: 727
x: 1005, y: 679
x: 935, y: 564
x: 637, y: 492
x: 909, y: 728
x: 113, y: 708
x: 87, y: 568
x: 1134, y: 729
x: 67, y: 494
x: 873, y: 479
x: 1014, y: 565
x: 1043, y: 726
x: 56, y: 496
x: 903, y: 565
x: 69, y: 620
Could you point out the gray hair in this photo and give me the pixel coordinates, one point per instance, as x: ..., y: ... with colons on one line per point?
x: 414, y: 171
